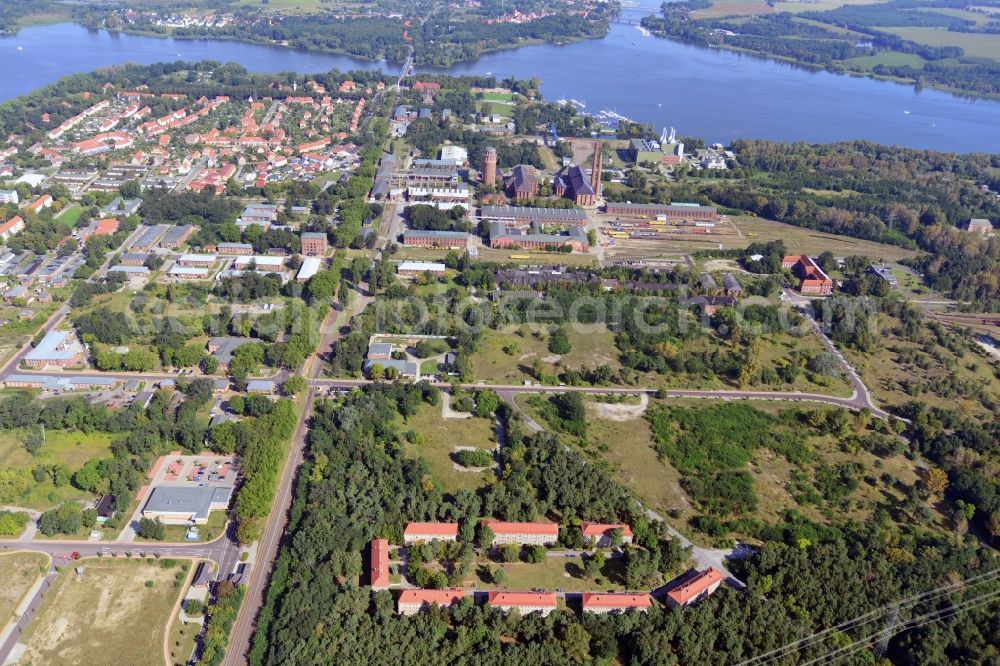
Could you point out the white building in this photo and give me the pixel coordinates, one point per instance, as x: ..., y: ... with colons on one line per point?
x: 9, y: 196
x: 456, y: 154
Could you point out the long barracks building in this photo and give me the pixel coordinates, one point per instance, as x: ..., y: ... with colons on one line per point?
x: 673, y: 211
x: 521, y: 216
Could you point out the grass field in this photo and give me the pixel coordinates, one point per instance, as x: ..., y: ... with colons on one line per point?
x: 807, y: 241
x: 555, y: 573
x: 70, y: 448
x: 109, y: 615
x: 492, y: 364
x: 975, y: 17
x: 441, y: 436
x: 976, y: 45
x: 19, y: 571
x: 70, y: 216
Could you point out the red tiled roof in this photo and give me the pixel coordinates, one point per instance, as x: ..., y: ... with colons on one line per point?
x: 106, y: 226
x: 501, y: 527
x: 378, y: 573
x: 598, y: 600
x: 696, y: 586
x: 599, y: 529
x: 503, y: 598
x: 432, y: 597
x: 431, y: 529
x: 9, y: 224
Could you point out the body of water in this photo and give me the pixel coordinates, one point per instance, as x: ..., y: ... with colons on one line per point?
x: 714, y: 94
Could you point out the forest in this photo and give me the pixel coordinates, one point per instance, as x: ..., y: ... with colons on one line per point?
x: 358, y: 485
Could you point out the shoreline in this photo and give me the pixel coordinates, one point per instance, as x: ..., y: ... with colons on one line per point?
x: 812, y: 67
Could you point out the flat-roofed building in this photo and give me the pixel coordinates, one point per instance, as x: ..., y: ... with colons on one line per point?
x: 672, y: 211
x: 614, y: 603
x: 414, y: 601
x: 310, y: 266
x: 378, y: 564
x: 57, y: 348
x: 602, y: 534
x: 523, y: 602
x: 182, y: 505
x: 695, y: 587
x: 534, y: 534
x: 418, y: 267
x: 415, y: 532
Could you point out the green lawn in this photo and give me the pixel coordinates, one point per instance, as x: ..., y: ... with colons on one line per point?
x: 70, y: 217
x: 70, y: 448
x: 555, y: 573
x: 440, y: 437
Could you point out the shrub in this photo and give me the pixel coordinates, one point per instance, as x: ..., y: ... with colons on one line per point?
x: 473, y: 458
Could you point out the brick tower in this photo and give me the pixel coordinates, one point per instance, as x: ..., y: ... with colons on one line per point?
x: 490, y: 168
x: 596, y: 168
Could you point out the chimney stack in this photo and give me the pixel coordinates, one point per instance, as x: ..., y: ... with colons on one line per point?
x: 490, y: 167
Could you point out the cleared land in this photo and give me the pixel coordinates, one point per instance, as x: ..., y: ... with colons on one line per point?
x: 440, y: 437
x: 110, y: 615
x: 18, y: 571
x: 798, y: 240
x: 491, y: 363
x: 70, y: 448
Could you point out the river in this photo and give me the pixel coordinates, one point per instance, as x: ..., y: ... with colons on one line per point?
x: 714, y: 94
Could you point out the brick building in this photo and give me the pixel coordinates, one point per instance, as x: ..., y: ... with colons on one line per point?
x: 314, y: 243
